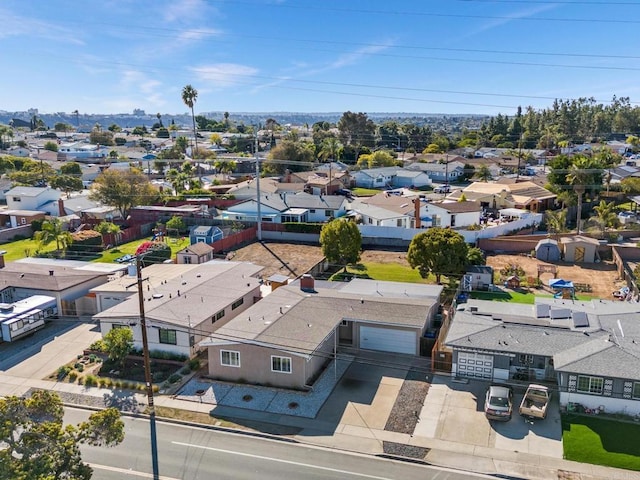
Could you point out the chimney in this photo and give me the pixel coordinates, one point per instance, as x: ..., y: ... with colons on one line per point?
x: 416, y: 204
x: 51, y: 273
x: 307, y: 283
x: 61, y: 211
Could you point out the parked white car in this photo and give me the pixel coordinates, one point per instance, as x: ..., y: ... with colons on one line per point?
x: 627, y: 217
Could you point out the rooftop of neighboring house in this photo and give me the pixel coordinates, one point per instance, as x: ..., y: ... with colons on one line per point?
x: 522, y: 192
x: 29, y: 191
x: 299, y: 321
x: 436, y: 166
x: 597, y: 337
x: 458, y: 207
x: 283, y: 201
x: 184, y: 295
x: 200, y: 248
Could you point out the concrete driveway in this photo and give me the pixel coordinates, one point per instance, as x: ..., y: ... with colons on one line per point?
x: 453, y: 412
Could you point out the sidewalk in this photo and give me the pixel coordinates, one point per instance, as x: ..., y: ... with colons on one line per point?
x: 355, y: 438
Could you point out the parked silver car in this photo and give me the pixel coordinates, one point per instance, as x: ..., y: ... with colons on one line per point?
x: 498, y: 403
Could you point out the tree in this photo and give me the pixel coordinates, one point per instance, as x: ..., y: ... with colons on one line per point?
x: 30, y: 172
x: 440, y: 251
x: 483, y: 173
x: 67, y: 184
x: 475, y: 256
x: 379, y: 158
x: 189, y: 97
x: 51, y: 146
x: 118, y: 343
x: 341, y: 242
x: 101, y: 137
x: 36, y: 445
x: 356, y: 129
x: 605, y: 215
x: 176, y: 223
x: 104, y: 228
x: 556, y: 221
x: 585, y: 173
x: 71, y: 168
x: 123, y: 190
x: 53, y: 231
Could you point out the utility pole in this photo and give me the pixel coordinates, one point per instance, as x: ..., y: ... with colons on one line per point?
x: 147, y: 370
x: 259, y: 219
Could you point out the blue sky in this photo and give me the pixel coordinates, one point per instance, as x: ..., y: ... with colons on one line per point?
x: 431, y: 56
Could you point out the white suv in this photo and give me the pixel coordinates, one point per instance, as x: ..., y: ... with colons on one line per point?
x: 442, y: 189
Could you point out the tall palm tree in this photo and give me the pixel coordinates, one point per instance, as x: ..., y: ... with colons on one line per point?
x: 581, y: 175
x: 605, y: 215
x: 52, y: 230
x: 557, y: 222
x: 189, y: 97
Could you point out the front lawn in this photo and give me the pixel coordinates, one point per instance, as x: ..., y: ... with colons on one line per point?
x: 392, y: 272
x: 601, y: 441
x: 365, y: 192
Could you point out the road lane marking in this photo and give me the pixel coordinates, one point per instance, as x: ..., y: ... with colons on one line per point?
x: 288, y: 462
x: 129, y: 472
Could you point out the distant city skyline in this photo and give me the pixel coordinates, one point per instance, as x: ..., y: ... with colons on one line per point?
x: 251, y: 56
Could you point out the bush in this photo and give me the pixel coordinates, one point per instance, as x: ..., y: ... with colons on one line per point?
x: 93, y: 358
x: 73, y: 376
x: 194, y: 364
x: 79, y: 367
x: 91, y: 381
x: 185, y: 370
x: 80, y: 380
x: 63, y: 372
x: 303, y: 227
x: 174, y: 378
x: 97, y: 346
x: 86, y: 241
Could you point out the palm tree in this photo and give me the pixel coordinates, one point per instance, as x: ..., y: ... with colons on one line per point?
x: 606, y: 215
x: 52, y: 230
x: 483, y: 173
x: 557, y: 222
x: 581, y: 174
x: 189, y: 97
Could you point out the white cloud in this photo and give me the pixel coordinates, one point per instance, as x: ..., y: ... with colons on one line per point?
x: 183, y: 10
x: 195, y: 35
x: 224, y: 74
x: 16, y: 25
x: 519, y: 15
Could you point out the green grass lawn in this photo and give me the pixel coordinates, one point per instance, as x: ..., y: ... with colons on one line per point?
x: 386, y: 271
x: 601, y: 441
x: 516, y: 297
x: 27, y: 248
x: 365, y: 192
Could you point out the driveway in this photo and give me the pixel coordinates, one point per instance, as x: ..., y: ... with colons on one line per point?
x: 453, y: 412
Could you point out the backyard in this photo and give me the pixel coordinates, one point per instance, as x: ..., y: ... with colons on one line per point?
x: 517, y: 296
x: 601, y: 441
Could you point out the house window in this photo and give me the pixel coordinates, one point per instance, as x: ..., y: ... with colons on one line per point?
x: 229, y: 358
x: 636, y: 390
x: 281, y: 364
x: 313, y: 210
x: 118, y: 325
x: 399, y: 222
x: 590, y: 384
x: 237, y: 303
x: 17, y: 199
x: 328, y: 213
x: 168, y: 336
x: 187, y: 259
x: 23, y: 221
x: 369, y: 220
x: 525, y: 359
x: 219, y: 315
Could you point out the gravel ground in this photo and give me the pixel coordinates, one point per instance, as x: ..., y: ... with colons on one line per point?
x: 266, y: 399
x: 402, y: 450
x: 406, y: 410
x: 123, y: 401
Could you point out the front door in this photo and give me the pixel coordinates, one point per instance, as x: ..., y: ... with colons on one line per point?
x: 579, y: 255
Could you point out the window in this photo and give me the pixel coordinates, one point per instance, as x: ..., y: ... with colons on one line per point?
x: 118, y: 325
x: 229, y: 358
x: 281, y: 364
x: 237, y: 303
x: 219, y: 315
x: 590, y: 384
x: 636, y: 390
x: 399, y: 222
x: 168, y: 336
x: 313, y: 210
x: 17, y: 199
x: 23, y: 221
x: 525, y: 359
x: 186, y: 259
x: 328, y: 213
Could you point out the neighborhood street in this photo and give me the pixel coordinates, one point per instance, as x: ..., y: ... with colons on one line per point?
x: 191, y: 453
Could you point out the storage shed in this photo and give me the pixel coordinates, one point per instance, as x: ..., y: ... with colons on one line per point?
x: 204, y: 233
x: 548, y: 250
x: 580, y: 249
x: 480, y: 277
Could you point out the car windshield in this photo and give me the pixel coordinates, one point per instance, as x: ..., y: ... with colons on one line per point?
x: 499, y: 402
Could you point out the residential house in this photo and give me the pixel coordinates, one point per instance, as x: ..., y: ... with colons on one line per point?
x: 34, y: 198
x: 300, y: 207
x: 68, y: 281
x: 199, y: 252
x: 206, y: 234
x: 183, y: 303
x: 450, y: 172
x: 387, y: 177
x: 621, y: 172
x: 17, y: 151
x: 477, y: 277
x: 591, y: 350
x: 450, y: 214
x: 288, y: 338
x: 268, y: 186
x: 82, y: 152
x: 19, y: 218
x: 493, y: 195
x: 5, y: 185
x: 155, y: 213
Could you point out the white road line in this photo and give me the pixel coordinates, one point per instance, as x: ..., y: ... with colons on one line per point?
x: 289, y: 462
x: 128, y: 472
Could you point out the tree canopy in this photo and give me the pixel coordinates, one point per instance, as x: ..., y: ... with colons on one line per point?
x: 118, y: 343
x: 123, y: 190
x: 341, y: 242
x: 52, y: 230
x: 36, y: 445
x: 440, y: 251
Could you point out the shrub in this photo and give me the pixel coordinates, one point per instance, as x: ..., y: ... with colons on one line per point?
x: 194, y: 364
x: 174, y: 378
x: 97, y: 346
x: 155, y: 388
x: 79, y: 367
x: 86, y: 241
x: 93, y: 358
x: 185, y: 370
x: 102, y: 382
x: 80, y: 380
x: 63, y: 371
x: 79, y: 356
x: 73, y: 376
x: 91, y: 381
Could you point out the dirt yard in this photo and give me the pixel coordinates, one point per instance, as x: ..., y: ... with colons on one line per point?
x: 602, y: 277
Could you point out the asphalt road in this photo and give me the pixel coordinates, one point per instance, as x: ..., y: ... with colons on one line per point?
x: 190, y: 453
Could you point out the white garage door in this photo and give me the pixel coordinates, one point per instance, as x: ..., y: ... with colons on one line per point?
x: 388, y: 340
x: 475, y: 365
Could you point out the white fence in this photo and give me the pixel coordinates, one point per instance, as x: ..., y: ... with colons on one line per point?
x: 372, y: 235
